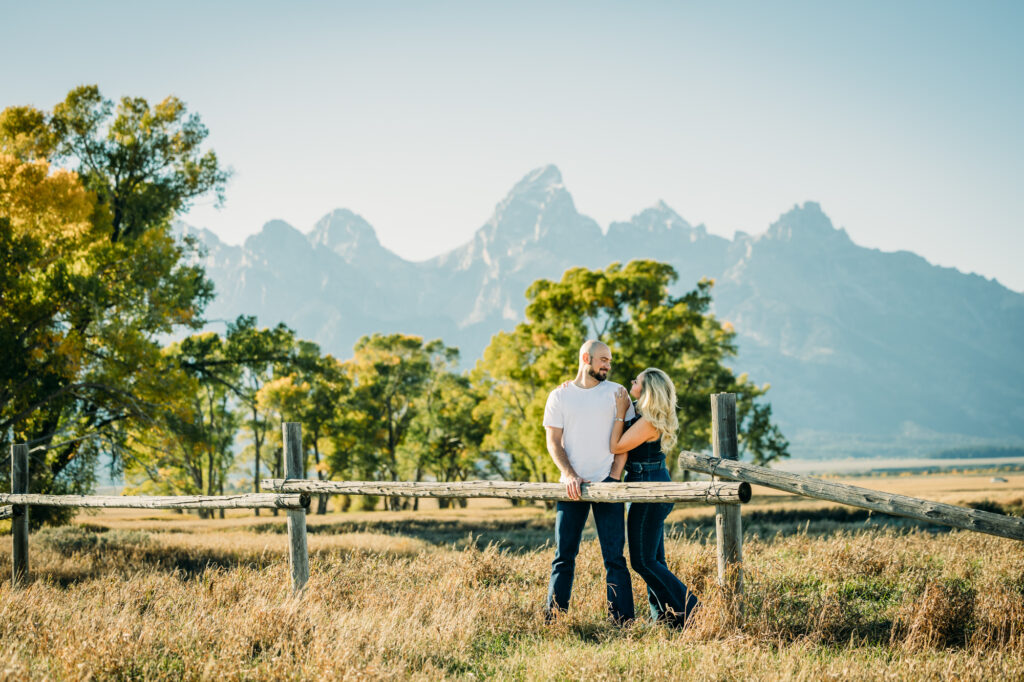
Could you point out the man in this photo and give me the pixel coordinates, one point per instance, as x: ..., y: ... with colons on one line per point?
x: 578, y: 419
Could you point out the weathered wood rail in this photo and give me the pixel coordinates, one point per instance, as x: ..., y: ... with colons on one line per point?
x: 855, y: 496
x: 246, y: 501
x: 6, y: 512
x: 701, y: 492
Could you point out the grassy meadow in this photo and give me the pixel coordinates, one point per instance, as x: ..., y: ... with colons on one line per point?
x: 457, y: 593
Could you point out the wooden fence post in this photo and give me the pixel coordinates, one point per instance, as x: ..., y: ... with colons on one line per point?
x: 19, y: 523
x: 728, y: 525
x: 298, y: 553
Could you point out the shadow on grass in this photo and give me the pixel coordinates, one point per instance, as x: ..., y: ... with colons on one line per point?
x: 507, y: 536
x: 186, y: 566
x: 769, y: 523
x: 534, y: 534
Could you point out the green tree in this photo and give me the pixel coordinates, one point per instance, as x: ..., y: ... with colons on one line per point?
x: 446, y: 434
x: 144, y: 163
x: 191, y: 451
x: 257, y: 351
x: 283, y: 400
x: 515, y: 375
x: 354, y: 449
x: 389, y: 373
x: 92, y: 273
x: 630, y: 309
x: 310, y: 395
x: 329, y: 389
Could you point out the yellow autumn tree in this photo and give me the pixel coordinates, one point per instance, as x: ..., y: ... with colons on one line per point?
x: 91, y: 274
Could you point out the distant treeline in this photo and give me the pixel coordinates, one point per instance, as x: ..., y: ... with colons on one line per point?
x: 980, y: 452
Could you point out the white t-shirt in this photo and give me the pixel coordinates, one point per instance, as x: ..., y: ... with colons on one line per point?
x: 586, y: 416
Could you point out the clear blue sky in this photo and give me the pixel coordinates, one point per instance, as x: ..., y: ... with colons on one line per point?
x: 904, y: 119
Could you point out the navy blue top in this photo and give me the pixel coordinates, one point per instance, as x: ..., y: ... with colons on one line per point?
x: 645, y: 452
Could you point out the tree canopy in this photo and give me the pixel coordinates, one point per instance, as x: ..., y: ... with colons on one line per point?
x: 629, y: 308
x: 92, y: 274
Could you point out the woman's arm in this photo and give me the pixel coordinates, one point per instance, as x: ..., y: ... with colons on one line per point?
x: 640, y: 432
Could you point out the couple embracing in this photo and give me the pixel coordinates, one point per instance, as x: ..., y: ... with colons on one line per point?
x: 594, y: 433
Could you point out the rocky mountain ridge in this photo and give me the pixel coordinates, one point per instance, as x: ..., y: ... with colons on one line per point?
x: 853, y: 340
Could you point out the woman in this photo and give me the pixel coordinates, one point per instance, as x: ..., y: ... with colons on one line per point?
x: 654, y: 427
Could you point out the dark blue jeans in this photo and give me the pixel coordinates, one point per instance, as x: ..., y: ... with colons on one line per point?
x: 570, y: 519
x: 669, y: 598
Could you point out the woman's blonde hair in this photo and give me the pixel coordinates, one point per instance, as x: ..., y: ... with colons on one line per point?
x: 657, y: 404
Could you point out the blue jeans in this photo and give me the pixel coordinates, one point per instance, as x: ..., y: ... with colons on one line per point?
x: 669, y: 598
x: 570, y: 518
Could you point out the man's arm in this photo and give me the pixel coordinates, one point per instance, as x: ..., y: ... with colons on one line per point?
x: 618, y: 464
x: 558, y: 454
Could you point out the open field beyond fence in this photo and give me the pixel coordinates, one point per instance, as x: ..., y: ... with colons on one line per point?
x: 830, y: 594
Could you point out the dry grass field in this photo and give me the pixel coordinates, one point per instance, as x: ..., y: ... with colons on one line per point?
x: 830, y: 594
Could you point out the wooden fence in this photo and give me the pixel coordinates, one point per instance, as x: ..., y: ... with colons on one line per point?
x: 293, y: 494
x: 729, y: 488
x: 19, y: 500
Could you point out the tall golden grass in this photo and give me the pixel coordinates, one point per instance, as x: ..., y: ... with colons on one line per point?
x: 180, y: 605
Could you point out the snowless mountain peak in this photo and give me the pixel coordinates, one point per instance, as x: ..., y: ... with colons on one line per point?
x: 543, y: 179
x: 538, y: 209
x: 274, y: 232
x: 659, y: 219
x: 344, y: 233
x: 805, y: 223
x: 205, y: 236
x: 664, y: 213
x: 277, y: 242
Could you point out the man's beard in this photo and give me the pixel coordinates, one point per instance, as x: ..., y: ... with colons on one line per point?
x: 600, y: 375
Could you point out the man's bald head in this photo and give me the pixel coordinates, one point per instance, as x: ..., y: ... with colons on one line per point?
x: 590, y: 345
x: 596, y: 359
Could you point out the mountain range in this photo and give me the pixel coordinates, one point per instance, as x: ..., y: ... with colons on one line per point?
x: 854, y: 341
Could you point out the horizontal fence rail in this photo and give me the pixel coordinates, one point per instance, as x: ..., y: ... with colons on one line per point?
x: 295, y: 504
x: 699, y: 492
x: 854, y: 496
x: 247, y: 501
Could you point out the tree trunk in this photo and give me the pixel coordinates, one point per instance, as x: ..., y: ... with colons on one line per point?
x: 393, y: 503
x: 210, y: 482
x: 277, y: 466
x: 321, y: 500
x: 416, y: 501
x: 256, y: 443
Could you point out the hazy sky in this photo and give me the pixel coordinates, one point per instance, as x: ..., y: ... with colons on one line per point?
x: 904, y: 119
